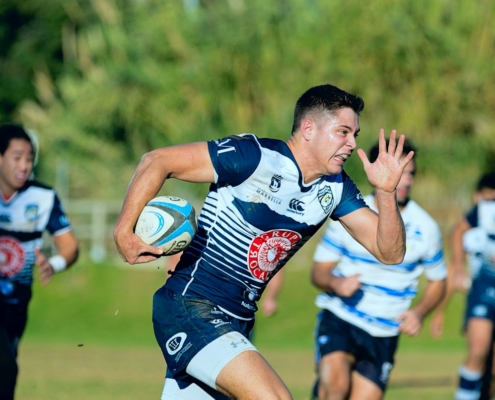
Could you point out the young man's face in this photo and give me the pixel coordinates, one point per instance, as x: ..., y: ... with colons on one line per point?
x: 16, y: 165
x: 336, y: 139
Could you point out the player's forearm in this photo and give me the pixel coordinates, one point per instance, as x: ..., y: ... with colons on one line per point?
x: 434, y: 293
x: 321, y: 276
x: 458, y: 254
x: 391, y: 234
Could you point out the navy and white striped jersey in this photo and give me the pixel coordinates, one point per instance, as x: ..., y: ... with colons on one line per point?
x: 257, y: 214
x: 386, y: 290
x: 23, y: 219
x: 482, y: 216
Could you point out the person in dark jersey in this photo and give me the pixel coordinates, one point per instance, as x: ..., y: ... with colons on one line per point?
x: 267, y: 198
x: 27, y: 209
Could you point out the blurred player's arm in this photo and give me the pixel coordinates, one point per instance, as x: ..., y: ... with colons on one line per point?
x: 438, y: 316
x: 67, y: 254
x: 322, y: 278
x: 269, y: 305
x: 412, y: 319
x: 460, y: 278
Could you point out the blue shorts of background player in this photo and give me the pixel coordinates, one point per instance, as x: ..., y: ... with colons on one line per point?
x: 197, y: 340
x: 374, y: 356
x: 481, y: 298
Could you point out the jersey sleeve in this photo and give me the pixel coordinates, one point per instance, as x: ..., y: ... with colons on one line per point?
x: 58, y: 222
x: 330, y: 248
x: 352, y: 199
x: 433, y: 261
x: 234, y: 158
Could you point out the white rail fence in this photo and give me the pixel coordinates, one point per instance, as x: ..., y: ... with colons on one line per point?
x: 93, y: 222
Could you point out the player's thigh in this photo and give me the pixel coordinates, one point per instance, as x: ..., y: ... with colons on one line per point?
x: 334, y: 369
x: 249, y: 377
x: 364, y: 389
x: 479, y: 335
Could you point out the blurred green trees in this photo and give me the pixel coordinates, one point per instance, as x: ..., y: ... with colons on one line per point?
x: 103, y: 81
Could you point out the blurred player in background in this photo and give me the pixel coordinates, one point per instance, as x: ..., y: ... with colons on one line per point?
x: 267, y: 198
x: 474, y: 237
x: 366, y: 303
x: 27, y: 209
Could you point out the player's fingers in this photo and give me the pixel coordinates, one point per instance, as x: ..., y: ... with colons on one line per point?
x: 392, y: 143
x: 363, y: 157
x: 382, y: 143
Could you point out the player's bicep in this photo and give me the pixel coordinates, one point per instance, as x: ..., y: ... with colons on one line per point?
x: 362, y: 225
x: 189, y: 162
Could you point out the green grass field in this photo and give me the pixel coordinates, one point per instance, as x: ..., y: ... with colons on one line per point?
x: 89, y: 336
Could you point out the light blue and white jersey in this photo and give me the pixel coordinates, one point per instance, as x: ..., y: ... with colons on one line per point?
x: 23, y: 219
x: 482, y: 217
x: 386, y: 290
x: 256, y: 216
x: 474, y: 243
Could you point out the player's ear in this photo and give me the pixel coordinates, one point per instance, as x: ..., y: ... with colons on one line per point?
x: 307, y: 128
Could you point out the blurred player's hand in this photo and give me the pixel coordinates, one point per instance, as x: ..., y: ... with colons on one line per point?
x: 269, y: 306
x: 346, y: 286
x: 436, y: 325
x: 462, y: 281
x: 411, y: 323
x: 44, y: 267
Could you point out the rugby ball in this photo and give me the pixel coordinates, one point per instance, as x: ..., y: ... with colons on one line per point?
x: 168, y: 222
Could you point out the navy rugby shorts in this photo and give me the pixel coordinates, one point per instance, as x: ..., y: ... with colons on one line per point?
x: 481, y: 298
x: 184, y: 326
x: 374, y: 355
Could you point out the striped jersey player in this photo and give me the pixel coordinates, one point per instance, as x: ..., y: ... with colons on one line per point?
x: 386, y: 290
x: 267, y: 198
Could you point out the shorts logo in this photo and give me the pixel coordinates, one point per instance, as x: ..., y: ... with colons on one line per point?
x: 175, y: 343
x: 323, y: 340
x: 386, y: 368
x: 31, y: 212
x: 12, y: 256
x: 275, y: 183
x: 480, y: 311
x: 235, y: 344
x: 325, y: 196
x: 268, y: 249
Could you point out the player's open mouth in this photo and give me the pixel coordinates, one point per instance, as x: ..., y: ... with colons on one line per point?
x: 342, y: 157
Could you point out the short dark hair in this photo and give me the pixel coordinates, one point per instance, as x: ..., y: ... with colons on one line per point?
x: 324, y: 98
x: 11, y: 131
x: 487, y: 181
x: 408, y: 146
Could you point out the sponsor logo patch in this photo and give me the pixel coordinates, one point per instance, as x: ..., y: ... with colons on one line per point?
x: 12, y: 256
x: 268, y: 249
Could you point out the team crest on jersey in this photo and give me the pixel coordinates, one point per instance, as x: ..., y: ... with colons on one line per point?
x: 275, y: 183
x: 268, y: 249
x: 31, y: 212
x: 12, y: 256
x: 325, y: 196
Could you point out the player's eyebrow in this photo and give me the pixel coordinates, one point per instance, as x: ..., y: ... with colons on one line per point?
x: 350, y: 129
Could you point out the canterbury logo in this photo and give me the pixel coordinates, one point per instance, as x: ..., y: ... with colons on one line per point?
x: 296, y: 205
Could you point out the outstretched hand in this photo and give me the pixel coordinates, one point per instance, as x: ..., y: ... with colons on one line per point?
x: 385, y: 173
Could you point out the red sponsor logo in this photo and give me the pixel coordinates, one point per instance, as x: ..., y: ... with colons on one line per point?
x: 268, y: 249
x: 12, y: 256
